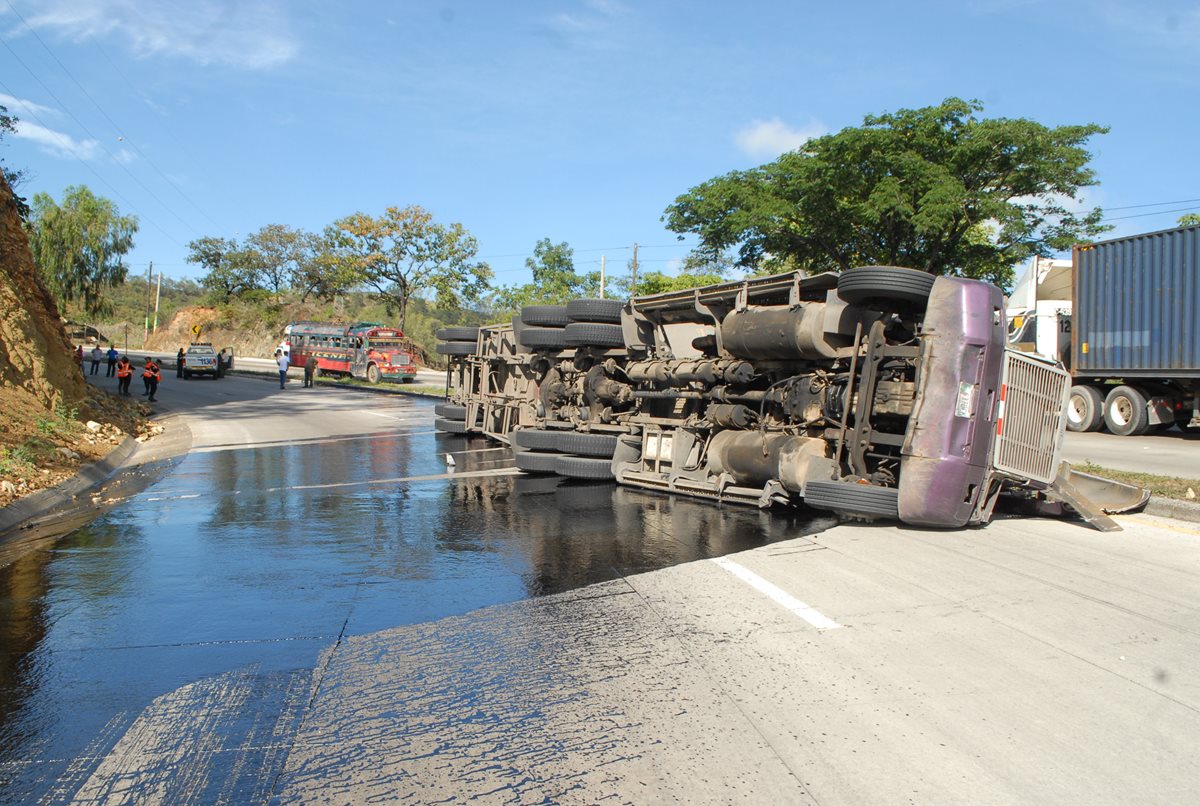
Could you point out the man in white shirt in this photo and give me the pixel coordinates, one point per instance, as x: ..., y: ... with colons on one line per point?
x: 282, y: 361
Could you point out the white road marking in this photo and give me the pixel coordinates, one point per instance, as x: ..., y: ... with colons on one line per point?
x: 499, y: 471
x: 779, y: 595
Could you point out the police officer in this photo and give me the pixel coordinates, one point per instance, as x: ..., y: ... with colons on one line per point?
x: 151, y: 376
x: 124, y: 375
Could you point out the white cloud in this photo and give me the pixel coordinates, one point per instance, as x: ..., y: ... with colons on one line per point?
x: 22, y: 108
x: 770, y: 138
x: 596, y: 15
x: 56, y: 143
x: 253, y: 34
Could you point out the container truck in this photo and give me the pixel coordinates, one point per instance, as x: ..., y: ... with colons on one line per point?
x: 1123, y: 316
x: 877, y: 393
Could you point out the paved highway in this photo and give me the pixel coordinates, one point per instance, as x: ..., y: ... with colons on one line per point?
x: 297, y: 614
x: 266, y: 365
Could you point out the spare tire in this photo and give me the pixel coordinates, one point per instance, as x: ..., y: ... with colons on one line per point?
x: 885, y: 288
x: 458, y: 334
x: 587, y: 334
x: 543, y: 337
x: 545, y: 315
x: 595, y: 310
x: 455, y: 348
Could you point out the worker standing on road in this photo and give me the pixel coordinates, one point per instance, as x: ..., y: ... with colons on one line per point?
x: 282, y: 361
x: 112, y: 360
x: 79, y: 358
x: 151, y: 375
x: 96, y: 354
x: 310, y: 369
x: 124, y: 375
x: 179, y: 359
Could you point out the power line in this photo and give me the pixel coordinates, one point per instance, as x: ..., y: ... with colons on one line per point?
x: 1159, y: 212
x: 1154, y: 204
x: 98, y: 142
x: 112, y: 122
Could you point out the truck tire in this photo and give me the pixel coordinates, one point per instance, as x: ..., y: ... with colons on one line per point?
x: 470, y: 334
x: 450, y: 411
x: 587, y: 334
x: 532, y: 462
x: 595, y: 310
x: 848, y: 498
x: 602, y: 445
x: 544, y: 337
x: 518, y: 329
x: 450, y: 426
x: 537, y: 439
x: 373, y: 374
x: 545, y: 315
x: 583, y: 467
x: 455, y: 348
x: 1085, y: 409
x: 1125, y: 412
x: 885, y: 288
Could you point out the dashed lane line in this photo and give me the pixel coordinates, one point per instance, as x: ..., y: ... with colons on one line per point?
x: 777, y: 594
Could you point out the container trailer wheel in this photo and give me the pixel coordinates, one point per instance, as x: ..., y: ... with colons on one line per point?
x: 1125, y: 412
x: 544, y: 337
x: 602, y: 445
x: 1085, y: 409
x: 588, y: 334
x: 536, y: 439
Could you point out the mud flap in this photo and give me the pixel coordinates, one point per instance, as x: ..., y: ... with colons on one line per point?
x: 1093, y: 497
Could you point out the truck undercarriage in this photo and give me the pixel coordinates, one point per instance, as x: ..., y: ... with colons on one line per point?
x: 881, y: 392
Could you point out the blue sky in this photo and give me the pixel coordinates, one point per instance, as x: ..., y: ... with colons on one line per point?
x: 577, y: 120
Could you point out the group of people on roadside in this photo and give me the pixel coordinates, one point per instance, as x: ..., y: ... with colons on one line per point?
x: 119, y: 366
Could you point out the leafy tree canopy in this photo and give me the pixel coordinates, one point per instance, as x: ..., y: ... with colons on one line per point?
x: 404, y: 252
x: 78, y: 245
x: 937, y: 188
x: 554, y: 279
x: 1188, y: 219
x: 230, y: 271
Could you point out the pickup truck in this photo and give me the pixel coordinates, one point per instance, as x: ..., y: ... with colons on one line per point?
x: 200, y: 359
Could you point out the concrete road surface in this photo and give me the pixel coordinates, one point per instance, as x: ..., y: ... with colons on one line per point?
x: 1173, y: 453
x: 1028, y: 662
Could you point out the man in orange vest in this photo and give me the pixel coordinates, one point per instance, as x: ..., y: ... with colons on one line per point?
x: 151, y: 376
x: 124, y: 375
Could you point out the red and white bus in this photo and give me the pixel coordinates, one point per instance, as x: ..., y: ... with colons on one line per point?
x: 365, y: 350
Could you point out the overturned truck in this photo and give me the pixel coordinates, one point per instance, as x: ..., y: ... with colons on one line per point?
x: 880, y: 392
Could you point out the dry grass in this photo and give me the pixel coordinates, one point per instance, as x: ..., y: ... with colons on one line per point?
x: 1164, y: 486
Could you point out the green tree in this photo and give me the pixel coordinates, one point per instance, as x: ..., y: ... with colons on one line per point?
x: 326, y: 270
x: 555, y: 281
x: 229, y: 271
x: 15, y: 178
x: 404, y: 252
x: 78, y: 245
x: 278, y: 253
x: 937, y: 188
x: 1188, y: 219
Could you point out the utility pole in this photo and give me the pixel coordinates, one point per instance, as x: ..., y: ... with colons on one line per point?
x: 633, y: 267
x: 602, y: 277
x: 146, y: 332
x: 157, y: 294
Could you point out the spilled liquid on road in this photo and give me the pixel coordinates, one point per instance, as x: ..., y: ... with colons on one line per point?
x: 232, y: 575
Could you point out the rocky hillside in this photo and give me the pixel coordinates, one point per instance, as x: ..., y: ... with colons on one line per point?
x: 50, y: 421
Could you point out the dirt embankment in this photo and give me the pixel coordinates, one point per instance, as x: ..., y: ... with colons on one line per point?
x: 247, y: 337
x: 50, y: 420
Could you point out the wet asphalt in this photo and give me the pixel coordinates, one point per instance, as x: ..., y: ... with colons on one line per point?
x: 235, y: 574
